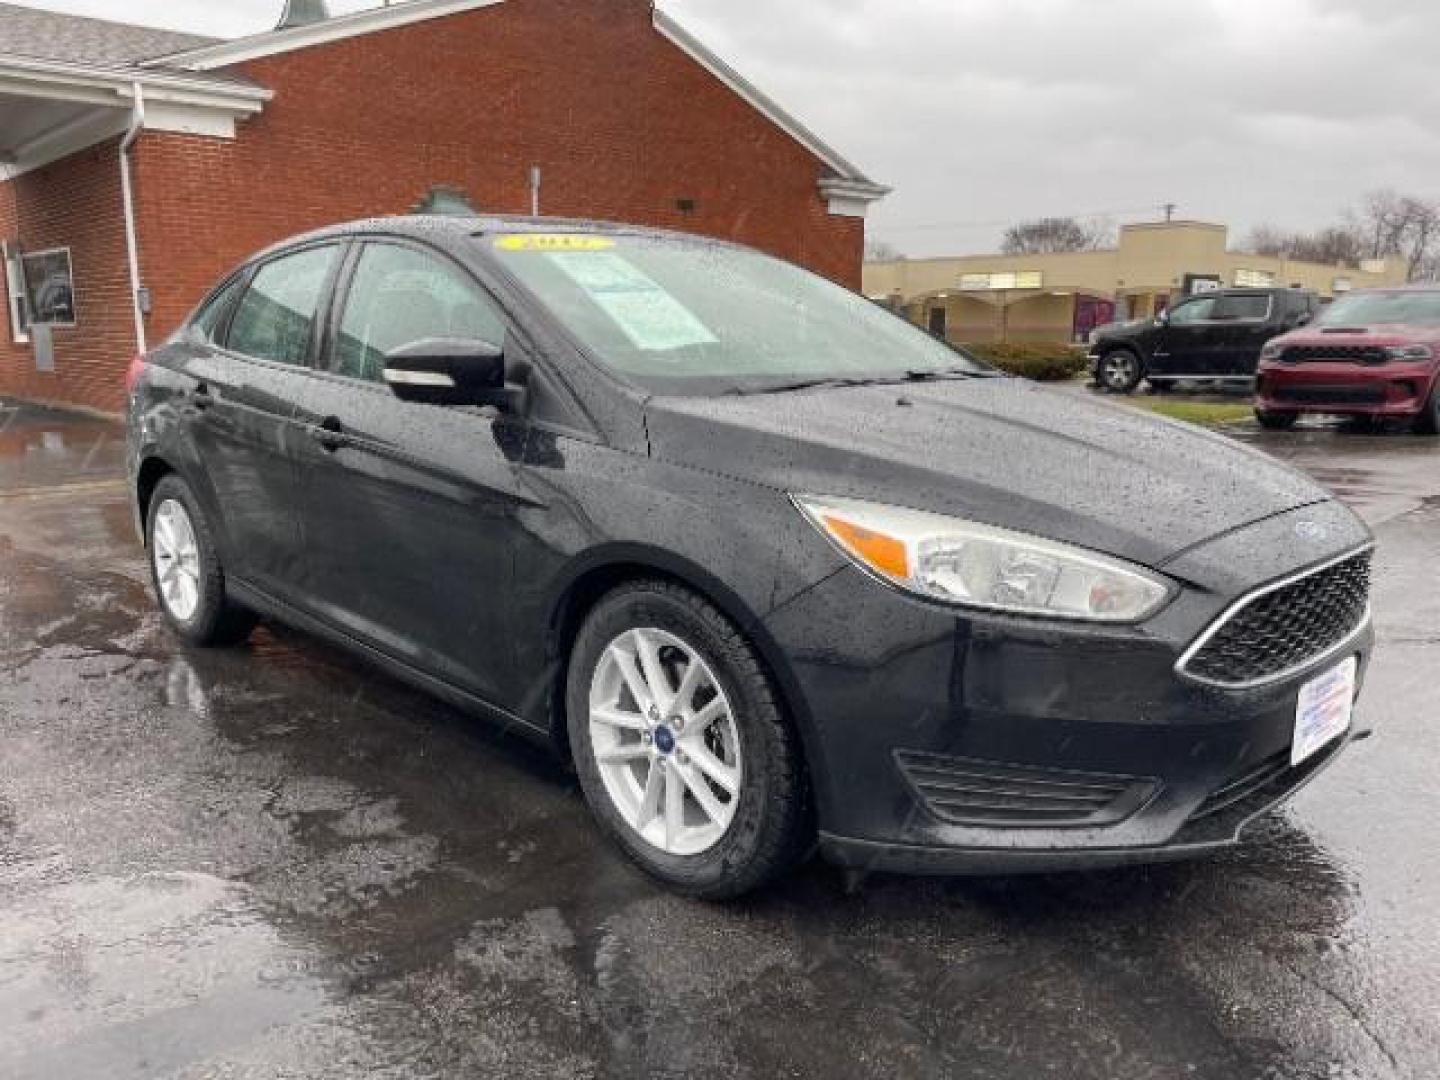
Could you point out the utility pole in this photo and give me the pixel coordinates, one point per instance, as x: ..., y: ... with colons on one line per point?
x: 1170, y: 209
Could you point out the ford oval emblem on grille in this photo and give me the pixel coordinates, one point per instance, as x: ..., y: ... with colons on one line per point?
x: 1313, y: 531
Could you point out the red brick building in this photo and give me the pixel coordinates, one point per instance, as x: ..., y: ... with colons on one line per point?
x: 136, y: 165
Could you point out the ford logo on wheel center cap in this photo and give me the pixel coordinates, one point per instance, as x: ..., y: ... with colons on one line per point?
x: 664, y: 740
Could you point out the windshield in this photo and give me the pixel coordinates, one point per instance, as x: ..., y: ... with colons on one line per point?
x: 1378, y: 308
x: 686, y: 317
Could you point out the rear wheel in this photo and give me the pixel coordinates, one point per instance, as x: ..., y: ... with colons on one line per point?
x: 1120, y: 371
x: 1276, y: 421
x: 680, y: 745
x: 185, y: 568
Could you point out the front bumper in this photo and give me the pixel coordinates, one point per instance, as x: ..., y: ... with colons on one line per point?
x: 900, y: 722
x: 1392, y: 389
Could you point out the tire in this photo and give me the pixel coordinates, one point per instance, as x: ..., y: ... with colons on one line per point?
x: 718, y: 847
x: 1276, y: 421
x: 185, y: 570
x: 1428, y: 422
x: 1119, y: 371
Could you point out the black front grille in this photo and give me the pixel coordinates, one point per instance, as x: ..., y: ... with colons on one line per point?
x: 1328, y: 394
x: 966, y: 791
x: 1355, y: 354
x: 1283, y: 629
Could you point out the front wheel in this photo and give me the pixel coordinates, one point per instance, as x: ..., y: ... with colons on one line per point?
x: 1120, y: 371
x: 1276, y: 421
x: 681, y: 748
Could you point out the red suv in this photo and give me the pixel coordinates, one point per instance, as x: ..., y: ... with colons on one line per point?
x: 1369, y: 354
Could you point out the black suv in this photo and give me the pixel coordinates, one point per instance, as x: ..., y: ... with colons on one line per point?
x: 1214, y: 335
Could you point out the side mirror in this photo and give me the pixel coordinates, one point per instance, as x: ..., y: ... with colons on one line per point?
x: 451, y: 371
x: 1162, y: 317
x: 1304, y: 319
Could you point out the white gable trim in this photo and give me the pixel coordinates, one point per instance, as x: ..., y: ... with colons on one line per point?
x: 859, y: 190
x: 274, y: 42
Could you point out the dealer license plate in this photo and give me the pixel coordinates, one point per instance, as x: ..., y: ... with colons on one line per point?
x: 1324, y: 710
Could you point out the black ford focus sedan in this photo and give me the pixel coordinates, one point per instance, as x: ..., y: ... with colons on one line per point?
x: 772, y: 567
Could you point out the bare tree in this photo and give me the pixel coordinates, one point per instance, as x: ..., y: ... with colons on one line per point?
x: 1385, y: 225
x: 1042, y: 236
x: 877, y: 250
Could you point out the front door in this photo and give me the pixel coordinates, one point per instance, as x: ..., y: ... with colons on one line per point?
x: 1185, y: 345
x: 248, y: 369
x: 411, y: 510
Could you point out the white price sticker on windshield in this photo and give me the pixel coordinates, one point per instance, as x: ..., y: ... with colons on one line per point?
x: 650, y: 317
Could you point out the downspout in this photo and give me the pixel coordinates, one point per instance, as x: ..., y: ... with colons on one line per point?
x: 127, y: 196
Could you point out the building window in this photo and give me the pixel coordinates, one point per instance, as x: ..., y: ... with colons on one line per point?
x: 937, y: 321
x: 14, y: 293
x: 1254, y: 279
x: 50, y: 286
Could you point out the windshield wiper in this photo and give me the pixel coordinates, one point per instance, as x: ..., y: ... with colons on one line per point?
x: 808, y: 384
x: 933, y: 374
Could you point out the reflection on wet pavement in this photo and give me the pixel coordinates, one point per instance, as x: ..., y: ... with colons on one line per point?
x: 273, y: 861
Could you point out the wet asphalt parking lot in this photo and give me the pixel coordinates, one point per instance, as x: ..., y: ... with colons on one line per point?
x: 274, y: 862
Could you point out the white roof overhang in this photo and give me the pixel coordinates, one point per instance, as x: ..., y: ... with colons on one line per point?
x: 51, y: 108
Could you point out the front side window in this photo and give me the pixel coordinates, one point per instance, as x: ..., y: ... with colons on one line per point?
x: 399, y: 296
x: 681, y: 316
x: 1194, y: 311
x: 276, y: 317
x: 51, y: 286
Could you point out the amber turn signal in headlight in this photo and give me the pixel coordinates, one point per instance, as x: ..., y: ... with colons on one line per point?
x: 974, y: 565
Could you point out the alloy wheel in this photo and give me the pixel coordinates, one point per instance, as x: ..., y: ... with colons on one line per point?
x: 176, y: 554
x: 665, y: 741
x: 1118, y: 370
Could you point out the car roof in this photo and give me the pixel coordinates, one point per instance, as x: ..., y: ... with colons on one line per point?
x: 458, y: 225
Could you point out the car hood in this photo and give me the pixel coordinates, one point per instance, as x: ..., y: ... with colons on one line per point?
x: 1380, y: 334
x: 1000, y: 451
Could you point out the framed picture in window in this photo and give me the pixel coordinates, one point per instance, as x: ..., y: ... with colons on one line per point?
x: 50, y: 285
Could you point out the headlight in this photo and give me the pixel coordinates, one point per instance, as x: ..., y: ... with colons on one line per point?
x: 973, y: 565
x: 1409, y: 352
x: 1272, y: 352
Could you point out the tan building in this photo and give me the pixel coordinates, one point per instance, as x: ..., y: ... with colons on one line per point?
x: 1062, y: 297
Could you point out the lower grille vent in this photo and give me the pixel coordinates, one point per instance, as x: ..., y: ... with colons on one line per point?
x: 966, y: 791
x: 1241, y: 788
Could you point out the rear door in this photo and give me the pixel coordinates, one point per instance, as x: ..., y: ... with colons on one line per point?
x: 253, y: 351
x: 411, y: 510
x: 1245, y: 322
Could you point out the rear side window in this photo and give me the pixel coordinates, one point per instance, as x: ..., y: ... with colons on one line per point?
x: 210, y: 320
x: 399, y: 296
x: 1240, y: 308
x: 276, y: 317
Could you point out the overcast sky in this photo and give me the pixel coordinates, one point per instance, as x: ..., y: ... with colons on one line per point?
x: 981, y: 112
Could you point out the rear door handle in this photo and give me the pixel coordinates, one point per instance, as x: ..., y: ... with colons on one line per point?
x: 201, y: 397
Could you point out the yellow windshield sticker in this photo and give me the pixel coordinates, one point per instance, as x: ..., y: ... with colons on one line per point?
x: 554, y: 242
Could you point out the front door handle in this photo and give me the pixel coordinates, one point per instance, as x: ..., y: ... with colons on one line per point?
x: 201, y: 397
x: 329, y: 434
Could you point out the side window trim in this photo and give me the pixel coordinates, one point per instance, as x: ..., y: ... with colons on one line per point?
x: 322, y: 304
x: 240, y: 280
x: 345, y: 279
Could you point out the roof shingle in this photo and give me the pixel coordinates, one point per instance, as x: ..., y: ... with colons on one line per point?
x: 49, y: 35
